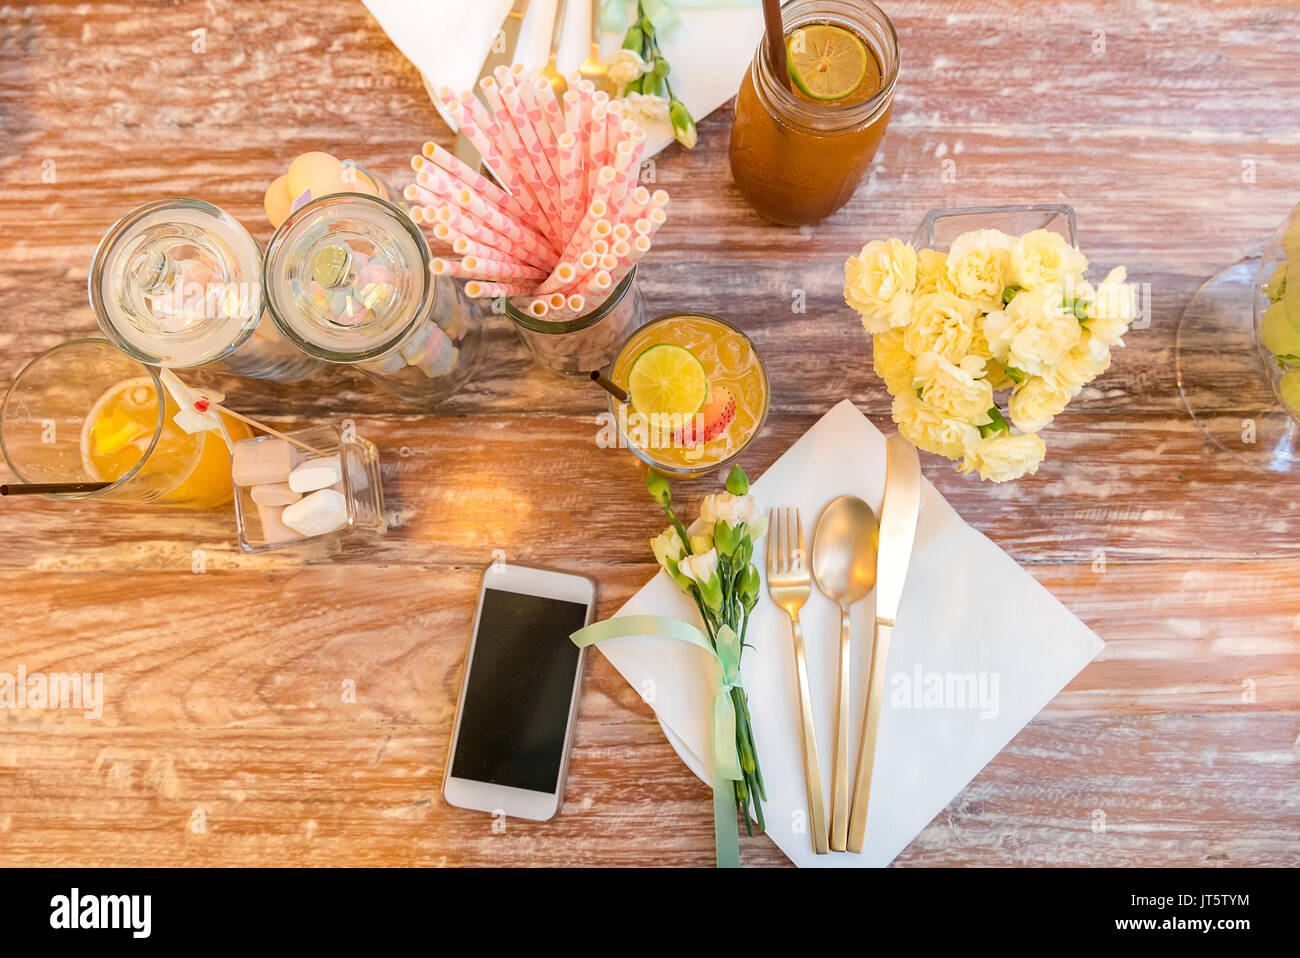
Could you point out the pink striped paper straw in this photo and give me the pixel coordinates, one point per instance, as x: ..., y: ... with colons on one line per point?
x: 483, y: 131
x: 500, y: 127
x: 597, y: 283
x: 637, y: 202
x: 485, y: 212
x: 473, y: 179
x: 499, y: 270
x: 640, y: 246
x: 586, y: 92
x: 613, y: 128
x: 459, y: 221
x: 600, y: 247
x: 594, y: 225
x: 627, y: 161
x: 446, y: 267
x: 544, y: 94
x: 507, y: 102
x: 595, y: 146
x: 463, y: 246
x: 569, y: 171
x: 563, y: 274
x: 536, y: 118
x: 477, y: 289
x: 577, y: 304
x: 622, y: 231
x: 538, y: 308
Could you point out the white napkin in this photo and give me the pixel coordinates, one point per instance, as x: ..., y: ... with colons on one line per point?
x: 967, y: 608
x: 447, y: 41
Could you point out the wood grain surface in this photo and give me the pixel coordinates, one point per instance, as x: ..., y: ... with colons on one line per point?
x: 225, y: 738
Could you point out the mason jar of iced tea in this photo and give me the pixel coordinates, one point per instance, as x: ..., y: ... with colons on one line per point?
x: 800, y: 144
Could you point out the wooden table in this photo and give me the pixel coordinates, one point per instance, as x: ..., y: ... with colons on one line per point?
x: 226, y: 738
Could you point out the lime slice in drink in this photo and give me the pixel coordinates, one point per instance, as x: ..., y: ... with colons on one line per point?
x: 826, y: 62
x: 667, y: 380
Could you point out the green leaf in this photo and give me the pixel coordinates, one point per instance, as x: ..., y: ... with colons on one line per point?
x: 997, y: 425
x: 737, y: 482
x: 749, y: 584
x: 1009, y: 293
x: 661, y: 67
x: 726, y: 537
x: 656, y: 483
x: 634, y: 39
x: 1015, y: 375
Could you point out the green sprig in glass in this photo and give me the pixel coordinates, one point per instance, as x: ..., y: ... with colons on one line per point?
x: 712, y: 565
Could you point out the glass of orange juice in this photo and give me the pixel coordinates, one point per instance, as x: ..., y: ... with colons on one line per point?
x: 85, y: 412
x: 697, y: 393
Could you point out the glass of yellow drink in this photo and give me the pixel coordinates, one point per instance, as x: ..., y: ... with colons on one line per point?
x: 85, y: 412
x: 710, y: 393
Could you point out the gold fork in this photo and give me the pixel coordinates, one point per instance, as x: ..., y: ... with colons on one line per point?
x: 789, y: 583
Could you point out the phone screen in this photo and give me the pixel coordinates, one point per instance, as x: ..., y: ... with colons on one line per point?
x: 516, y: 710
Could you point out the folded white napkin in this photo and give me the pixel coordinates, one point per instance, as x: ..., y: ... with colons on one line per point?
x: 968, y: 611
x: 447, y: 41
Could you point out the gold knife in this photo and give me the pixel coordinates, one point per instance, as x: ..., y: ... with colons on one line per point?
x: 500, y: 53
x: 897, y: 531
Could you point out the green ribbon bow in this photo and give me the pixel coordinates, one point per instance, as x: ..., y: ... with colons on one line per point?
x: 662, y: 13
x: 725, y: 766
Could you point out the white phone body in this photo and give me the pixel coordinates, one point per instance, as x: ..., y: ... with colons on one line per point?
x: 494, y: 797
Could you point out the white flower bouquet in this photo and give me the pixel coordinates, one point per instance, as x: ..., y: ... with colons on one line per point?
x: 995, y: 313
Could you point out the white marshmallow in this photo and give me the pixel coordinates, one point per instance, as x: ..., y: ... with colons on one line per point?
x: 394, y: 362
x: 417, y: 341
x: 323, y: 511
x: 273, y: 528
x: 274, y: 494
x: 316, y: 474
x: 257, y: 462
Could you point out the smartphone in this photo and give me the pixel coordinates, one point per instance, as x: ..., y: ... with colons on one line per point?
x: 519, y: 700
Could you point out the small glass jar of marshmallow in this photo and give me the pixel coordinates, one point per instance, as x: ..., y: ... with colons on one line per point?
x: 312, y: 488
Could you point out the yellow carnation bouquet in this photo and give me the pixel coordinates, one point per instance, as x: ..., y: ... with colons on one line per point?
x: 995, y: 313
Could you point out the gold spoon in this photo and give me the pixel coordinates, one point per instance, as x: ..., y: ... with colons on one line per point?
x: 844, y: 565
x: 549, y: 72
x: 592, y: 68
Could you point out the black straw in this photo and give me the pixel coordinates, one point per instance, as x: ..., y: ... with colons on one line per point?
x: 607, y: 384
x: 51, y: 488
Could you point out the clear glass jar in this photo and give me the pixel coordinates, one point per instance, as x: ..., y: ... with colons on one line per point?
x: 85, y: 412
x: 178, y: 282
x: 257, y: 526
x: 588, y: 342
x: 730, y: 361
x: 347, y: 280
x: 797, y: 160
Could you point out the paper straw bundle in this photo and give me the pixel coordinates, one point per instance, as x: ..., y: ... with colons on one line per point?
x: 571, y: 221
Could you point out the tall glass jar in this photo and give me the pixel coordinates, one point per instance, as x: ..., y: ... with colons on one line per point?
x: 798, y: 160
x: 589, y: 342
x: 178, y: 282
x: 347, y: 280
